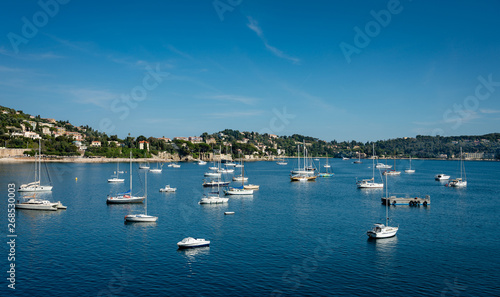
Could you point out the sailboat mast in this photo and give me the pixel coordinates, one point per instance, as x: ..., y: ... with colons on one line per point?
x: 146, y: 190
x: 461, y: 163
x: 298, y: 156
x: 39, y: 160
x: 373, y: 163
x: 130, y: 172
x: 386, y: 202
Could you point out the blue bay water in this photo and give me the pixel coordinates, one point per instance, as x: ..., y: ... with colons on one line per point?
x: 303, y: 239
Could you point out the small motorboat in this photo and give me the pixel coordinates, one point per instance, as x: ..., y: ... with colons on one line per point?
x: 240, y: 178
x: 441, y: 176
x: 251, y: 187
x: 167, y: 188
x: 190, y: 242
x: 229, y: 212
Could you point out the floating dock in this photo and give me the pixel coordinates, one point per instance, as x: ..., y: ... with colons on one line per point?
x: 416, y: 201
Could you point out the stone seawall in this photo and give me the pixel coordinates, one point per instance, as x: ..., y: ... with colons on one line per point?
x: 6, y: 152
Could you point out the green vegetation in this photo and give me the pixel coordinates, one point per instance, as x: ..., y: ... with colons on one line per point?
x: 14, y: 122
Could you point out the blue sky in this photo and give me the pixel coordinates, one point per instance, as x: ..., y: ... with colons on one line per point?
x: 181, y: 68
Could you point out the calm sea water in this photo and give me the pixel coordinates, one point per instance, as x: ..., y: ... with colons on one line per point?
x: 303, y: 239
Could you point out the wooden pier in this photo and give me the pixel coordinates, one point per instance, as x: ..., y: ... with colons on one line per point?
x: 415, y: 201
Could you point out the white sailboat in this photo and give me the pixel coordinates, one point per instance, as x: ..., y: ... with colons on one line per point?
x: 393, y: 171
x: 370, y: 183
x: 359, y: 159
x: 158, y: 168
x: 214, y: 197
x: 327, y: 165
x: 327, y: 173
x: 281, y: 161
x: 144, y: 166
x: 240, y: 177
x: 381, y: 230
x: 240, y: 190
x: 462, y: 181
x: 142, y: 217
x: 33, y: 203
x: 36, y: 186
x: 303, y: 174
x: 409, y: 170
x: 116, y: 179
x: 126, y: 197
x: 200, y: 161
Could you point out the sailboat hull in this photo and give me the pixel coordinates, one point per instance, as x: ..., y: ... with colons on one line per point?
x: 35, y: 189
x: 140, y: 218
x: 116, y: 180
x: 384, y: 233
x: 124, y: 200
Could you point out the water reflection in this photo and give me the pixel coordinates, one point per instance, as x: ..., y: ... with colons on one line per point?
x: 384, y: 245
x: 139, y: 224
x: 191, y: 254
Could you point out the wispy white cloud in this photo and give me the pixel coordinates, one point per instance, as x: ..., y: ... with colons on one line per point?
x: 236, y: 114
x: 232, y: 98
x: 312, y: 99
x: 12, y: 70
x: 180, y: 53
x: 489, y: 111
x: 29, y: 56
x: 100, y: 98
x: 254, y: 26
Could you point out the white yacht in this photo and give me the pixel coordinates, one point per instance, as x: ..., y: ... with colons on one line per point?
x: 33, y: 203
x: 168, y: 189
x: 240, y: 178
x: 441, y: 176
x: 383, y: 166
x: 201, y: 162
x: 190, y: 242
x: 251, y: 187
